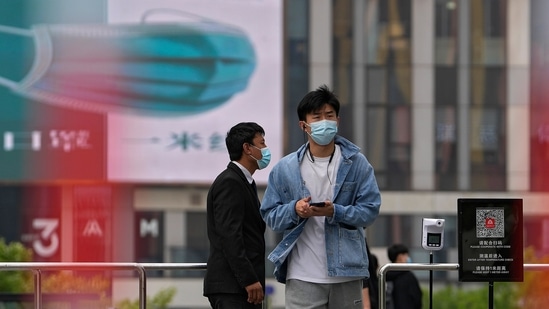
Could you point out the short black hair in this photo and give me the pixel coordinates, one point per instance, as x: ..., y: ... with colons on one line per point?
x: 394, y: 250
x: 315, y: 99
x: 241, y: 133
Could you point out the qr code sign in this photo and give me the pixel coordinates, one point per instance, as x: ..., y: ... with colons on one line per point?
x: 490, y: 222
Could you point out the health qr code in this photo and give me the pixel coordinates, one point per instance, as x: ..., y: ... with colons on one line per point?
x: 490, y: 222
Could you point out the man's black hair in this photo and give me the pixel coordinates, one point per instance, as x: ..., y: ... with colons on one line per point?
x: 315, y: 99
x: 241, y: 133
x: 394, y: 250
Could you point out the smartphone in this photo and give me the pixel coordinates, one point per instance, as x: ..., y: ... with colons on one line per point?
x: 319, y: 204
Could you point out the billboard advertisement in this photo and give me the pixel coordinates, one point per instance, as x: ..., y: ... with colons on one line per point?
x: 144, y: 91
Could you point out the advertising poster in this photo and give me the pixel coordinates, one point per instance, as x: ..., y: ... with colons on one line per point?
x: 135, y: 91
x: 196, y: 68
x: 490, y: 240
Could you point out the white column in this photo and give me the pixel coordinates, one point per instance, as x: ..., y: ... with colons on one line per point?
x: 320, y: 29
x: 464, y: 161
x: 518, y: 84
x: 359, y: 74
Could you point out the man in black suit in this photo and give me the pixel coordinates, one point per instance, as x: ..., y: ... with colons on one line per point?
x: 235, y: 276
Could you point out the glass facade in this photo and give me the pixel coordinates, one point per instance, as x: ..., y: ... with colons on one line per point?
x: 469, y: 91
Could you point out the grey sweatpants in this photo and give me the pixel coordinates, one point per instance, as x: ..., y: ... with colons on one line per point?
x: 307, y: 295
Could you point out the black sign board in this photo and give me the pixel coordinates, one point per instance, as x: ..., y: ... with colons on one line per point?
x: 490, y: 240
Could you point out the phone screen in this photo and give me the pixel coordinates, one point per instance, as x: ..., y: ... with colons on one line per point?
x: 318, y: 204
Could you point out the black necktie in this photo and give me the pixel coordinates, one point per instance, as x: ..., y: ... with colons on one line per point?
x: 254, y: 186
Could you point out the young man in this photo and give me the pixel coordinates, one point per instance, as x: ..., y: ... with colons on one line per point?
x: 403, y: 287
x: 235, y: 276
x: 322, y: 258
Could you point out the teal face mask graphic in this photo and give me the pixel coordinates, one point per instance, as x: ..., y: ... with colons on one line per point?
x: 183, y: 68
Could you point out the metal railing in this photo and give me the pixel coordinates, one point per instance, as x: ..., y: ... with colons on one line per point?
x: 428, y: 266
x: 140, y: 268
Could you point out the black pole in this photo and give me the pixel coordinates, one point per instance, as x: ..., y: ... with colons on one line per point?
x: 431, y: 281
x: 491, y: 295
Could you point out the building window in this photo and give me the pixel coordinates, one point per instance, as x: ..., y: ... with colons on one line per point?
x: 196, y: 246
x: 488, y: 32
x: 487, y: 149
x: 343, y: 50
x: 297, y: 66
x: 446, y: 147
x: 446, y: 32
x: 446, y: 94
x: 488, y: 84
x: 389, y: 94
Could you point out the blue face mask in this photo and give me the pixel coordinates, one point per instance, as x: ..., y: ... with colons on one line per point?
x: 409, y: 260
x: 265, y: 157
x: 181, y: 67
x: 323, y: 131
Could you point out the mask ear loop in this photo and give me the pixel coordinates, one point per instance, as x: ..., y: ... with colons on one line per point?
x: 15, y: 31
x: 190, y: 17
x: 305, y: 135
x: 179, y: 13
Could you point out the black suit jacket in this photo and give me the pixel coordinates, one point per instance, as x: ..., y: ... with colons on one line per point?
x: 407, y: 293
x: 236, y: 233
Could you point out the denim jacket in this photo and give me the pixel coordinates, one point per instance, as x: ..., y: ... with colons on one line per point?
x: 356, y: 205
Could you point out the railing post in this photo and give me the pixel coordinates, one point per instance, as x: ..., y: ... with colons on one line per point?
x: 142, y: 286
x: 406, y: 266
x: 382, y: 303
x: 37, y: 288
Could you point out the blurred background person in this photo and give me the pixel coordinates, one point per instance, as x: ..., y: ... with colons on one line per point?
x: 403, y: 290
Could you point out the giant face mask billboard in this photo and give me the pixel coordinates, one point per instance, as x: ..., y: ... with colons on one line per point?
x: 165, y: 80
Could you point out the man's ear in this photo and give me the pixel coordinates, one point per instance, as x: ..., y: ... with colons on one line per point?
x: 245, y: 148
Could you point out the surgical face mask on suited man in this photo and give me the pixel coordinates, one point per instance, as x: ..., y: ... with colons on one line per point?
x: 265, y: 157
